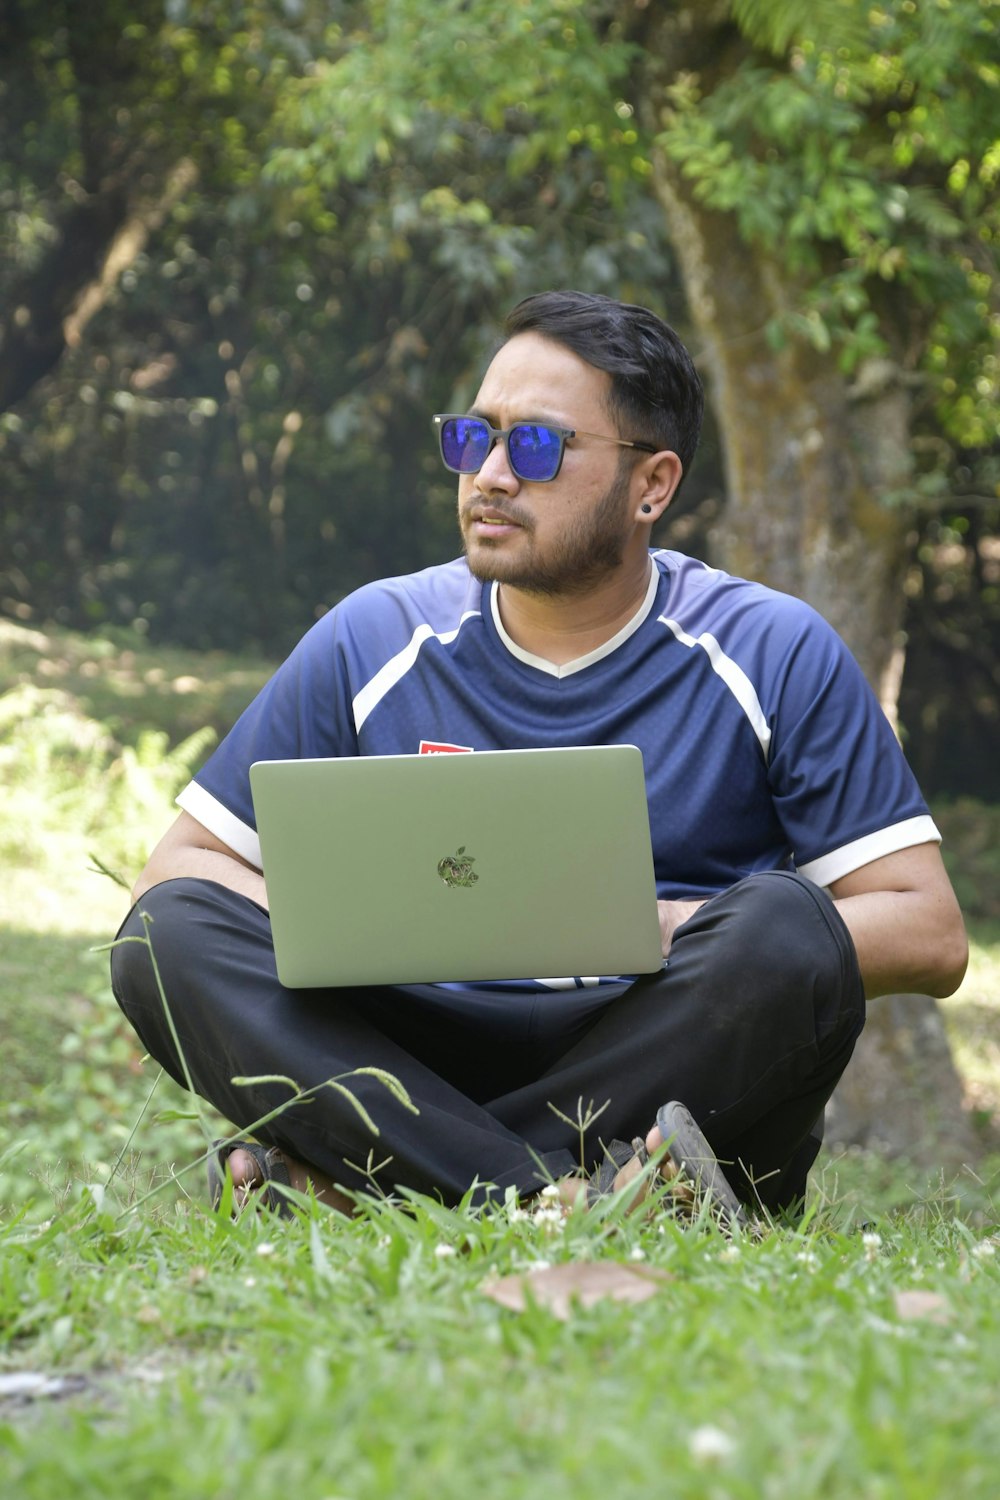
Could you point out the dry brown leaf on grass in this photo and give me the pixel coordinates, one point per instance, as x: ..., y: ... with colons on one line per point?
x: 916, y: 1304
x: 578, y: 1284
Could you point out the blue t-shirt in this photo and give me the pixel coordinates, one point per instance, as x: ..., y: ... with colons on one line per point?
x: 764, y: 748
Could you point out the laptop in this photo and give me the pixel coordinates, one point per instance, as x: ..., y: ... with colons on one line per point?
x: 499, y: 864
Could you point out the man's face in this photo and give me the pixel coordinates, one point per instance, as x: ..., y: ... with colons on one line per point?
x: 565, y: 536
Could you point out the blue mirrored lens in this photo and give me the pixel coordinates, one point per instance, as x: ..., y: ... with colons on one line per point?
x: 534, y: 451
x: 465, y: 442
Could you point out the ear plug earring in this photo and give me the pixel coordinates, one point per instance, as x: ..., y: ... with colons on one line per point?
x: 646, y: 509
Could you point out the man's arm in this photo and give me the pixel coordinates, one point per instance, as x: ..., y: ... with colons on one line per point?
x: 187, y: 848
x: 904, y: 919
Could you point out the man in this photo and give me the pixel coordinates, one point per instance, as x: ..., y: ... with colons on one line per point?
x: 797, y: 866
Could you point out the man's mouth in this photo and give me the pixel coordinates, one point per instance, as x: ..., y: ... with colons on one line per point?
x: 486, y: 516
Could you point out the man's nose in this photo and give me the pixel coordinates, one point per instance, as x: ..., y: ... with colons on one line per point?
x: 496, y: 472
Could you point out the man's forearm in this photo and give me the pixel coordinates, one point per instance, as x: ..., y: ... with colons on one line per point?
x: 202, y: 864
x: 906, y: 942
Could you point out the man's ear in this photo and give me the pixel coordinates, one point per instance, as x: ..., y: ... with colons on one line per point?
x: 658, y: 475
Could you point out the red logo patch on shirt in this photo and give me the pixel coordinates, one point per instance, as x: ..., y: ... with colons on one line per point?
x: 437, y: 747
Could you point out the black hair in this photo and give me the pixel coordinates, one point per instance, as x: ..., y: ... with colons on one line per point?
x: 656, y: 395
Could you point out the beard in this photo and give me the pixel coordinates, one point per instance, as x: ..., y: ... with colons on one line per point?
x: 591, y: 547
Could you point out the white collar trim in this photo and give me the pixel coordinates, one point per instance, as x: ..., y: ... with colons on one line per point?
x: 566, y: 669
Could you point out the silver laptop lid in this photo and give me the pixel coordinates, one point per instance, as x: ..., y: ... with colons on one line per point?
x: 413, y: 869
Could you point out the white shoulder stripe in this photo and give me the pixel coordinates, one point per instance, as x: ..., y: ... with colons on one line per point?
x: 396, y: 668
x: 219, y: 820
x: 733, y: 676
x: 850, y: 857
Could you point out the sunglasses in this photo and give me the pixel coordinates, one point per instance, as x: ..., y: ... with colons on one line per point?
x: 534, y: 449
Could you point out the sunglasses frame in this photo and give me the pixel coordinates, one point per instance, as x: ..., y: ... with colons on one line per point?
x: 502, y: 434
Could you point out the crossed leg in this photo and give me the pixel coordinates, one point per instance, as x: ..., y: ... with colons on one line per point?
x: 753, y: 1039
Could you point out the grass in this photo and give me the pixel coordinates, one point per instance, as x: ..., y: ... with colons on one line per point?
x: 130, y: 687
x: 166, y: 1351
x: 212, y: 1359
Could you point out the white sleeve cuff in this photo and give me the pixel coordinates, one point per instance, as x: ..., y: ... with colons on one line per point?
x: 219, y: 820
x: 830, y: 867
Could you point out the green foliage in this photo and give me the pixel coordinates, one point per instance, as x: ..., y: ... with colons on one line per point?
x: 862, y: 156
x: 775, y: 24
x: 538, y: 73
x: 56, y: 764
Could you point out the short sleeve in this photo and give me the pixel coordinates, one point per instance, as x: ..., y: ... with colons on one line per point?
x: 304, y: 711
x: 841, y: 785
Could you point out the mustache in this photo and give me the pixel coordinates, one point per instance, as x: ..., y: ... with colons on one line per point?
x: 504, y: 512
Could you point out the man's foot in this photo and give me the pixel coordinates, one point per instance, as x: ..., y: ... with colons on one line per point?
x: 574, y: 1190
x: 250, y: 1178
x: 691, y: 1153
x: 688, y: 1165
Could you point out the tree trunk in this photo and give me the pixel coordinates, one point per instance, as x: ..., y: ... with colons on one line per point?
x: 901, y: 1094
x: 815, y: 468
x: 806, y: 455
x: 126, y: 172
x: 51, y: 306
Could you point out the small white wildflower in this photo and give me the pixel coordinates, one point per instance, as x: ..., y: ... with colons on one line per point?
x: 384, y: 1241
x: 984, y: 1250
x: 872, y: 1243
x: 265, y: 1250
x: 526, y: 1263
x: 444, y: 1251
x: 808, y: 1259
x: 709, y: 1444
x: 637, y: 1253
x: 550, y: 1191
x: 730, y: 1253
x: 549, y: 1219
x: 249, y: 1281
x: 518, y: 1215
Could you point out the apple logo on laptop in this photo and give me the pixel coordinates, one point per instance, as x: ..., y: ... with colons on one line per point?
x: 456, y: 869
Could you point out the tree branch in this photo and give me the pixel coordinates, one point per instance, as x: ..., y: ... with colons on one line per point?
x: 99, y: 238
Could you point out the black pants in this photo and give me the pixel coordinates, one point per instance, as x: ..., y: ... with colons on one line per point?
x: 750, y: 1024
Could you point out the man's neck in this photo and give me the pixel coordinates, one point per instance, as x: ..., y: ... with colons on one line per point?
x: 561, y: 628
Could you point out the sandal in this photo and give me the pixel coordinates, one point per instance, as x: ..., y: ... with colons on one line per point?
x: 272, y: 1169
x: 691, y: 1154
x: 601, y: 1183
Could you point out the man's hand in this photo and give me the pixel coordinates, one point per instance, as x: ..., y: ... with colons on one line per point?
x: 672, y: 915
